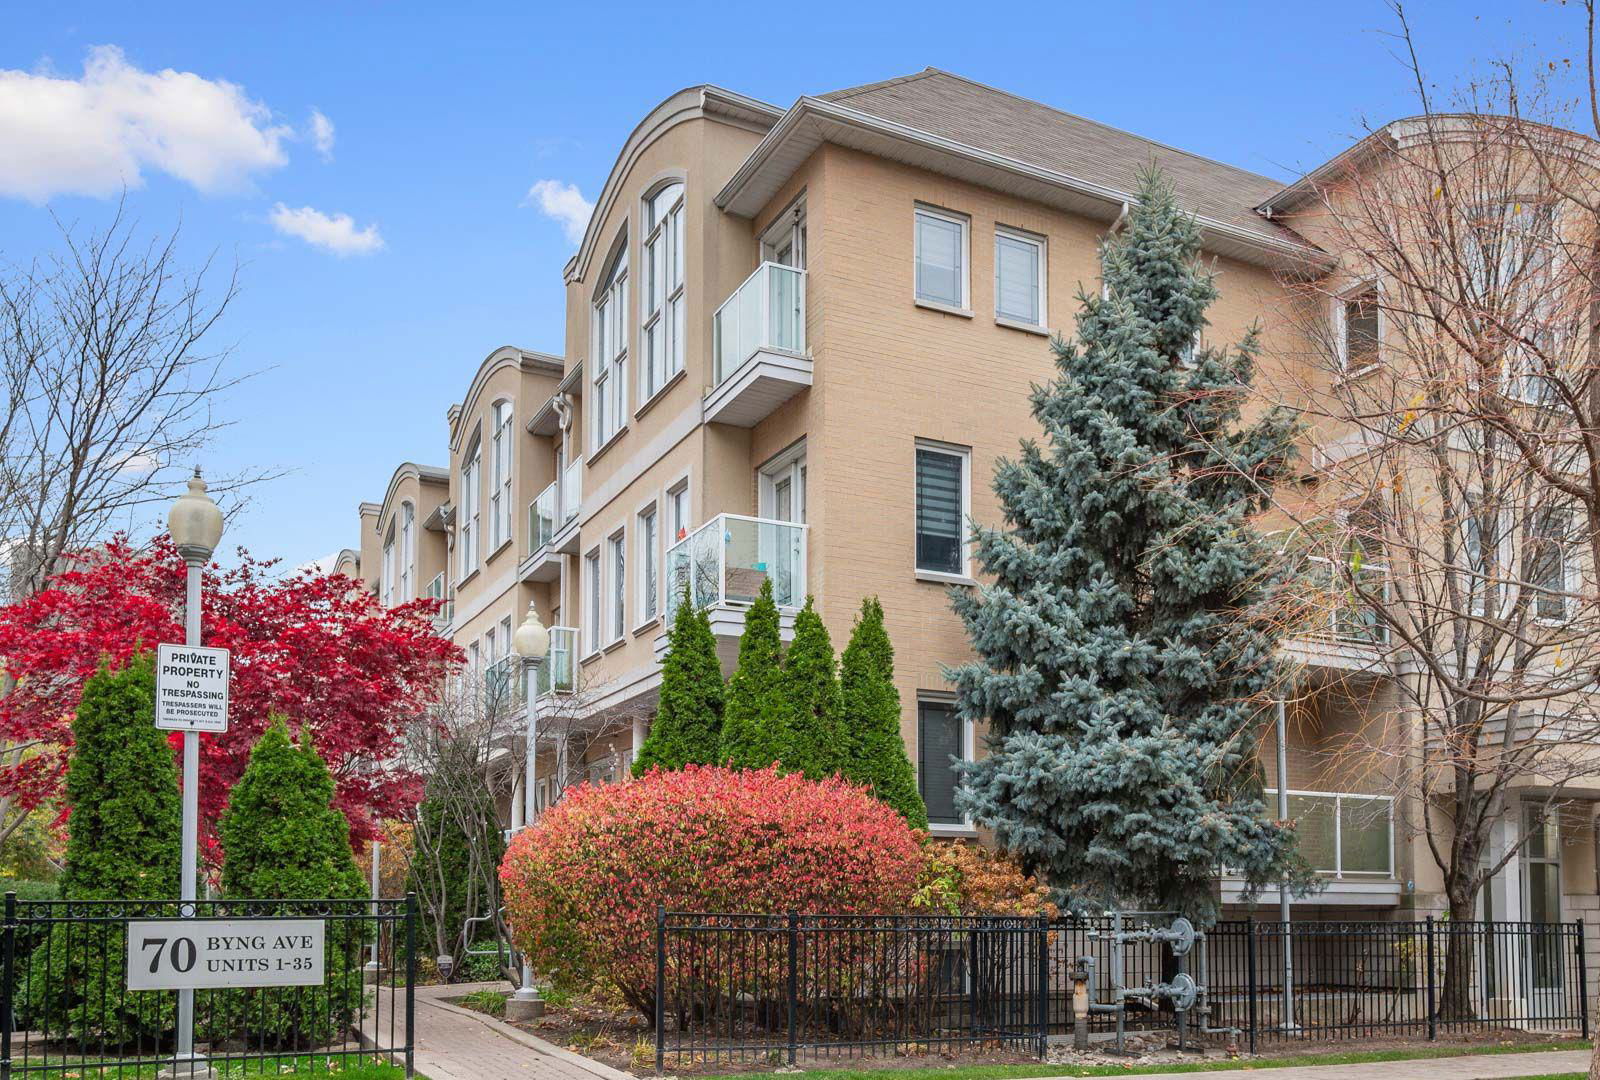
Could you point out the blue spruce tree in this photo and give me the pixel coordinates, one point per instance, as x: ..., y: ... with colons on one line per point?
x: 1125, y: 659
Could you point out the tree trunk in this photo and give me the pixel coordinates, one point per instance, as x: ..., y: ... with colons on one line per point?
x: 1455, y: 989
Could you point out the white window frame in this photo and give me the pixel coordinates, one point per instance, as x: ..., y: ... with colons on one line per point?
x: 1571, y: 580
x: 593, y: 597
x: 470, y: 529
x: 965, y: 454
x: 965, y: 224
x: 650, y: 560
x: 387, y: 573
x: 610, y: 328
x: 969, y: 743
x: 788, y: 465
x: 661, y: 324
x: 616, y: 599
x: 408, y: 552
x: 680, y: 514
x: 501, y: 444
x: 1341, y: 336
x: 1041, y: 256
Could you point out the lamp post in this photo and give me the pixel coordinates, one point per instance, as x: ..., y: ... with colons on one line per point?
x: 532, y: 643
x: 195, y: 525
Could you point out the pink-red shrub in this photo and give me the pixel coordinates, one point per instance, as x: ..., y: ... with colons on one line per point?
x: 582, y: 887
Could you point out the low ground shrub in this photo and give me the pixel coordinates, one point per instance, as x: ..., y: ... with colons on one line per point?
x: 582, y: 887
x: 968, y: 879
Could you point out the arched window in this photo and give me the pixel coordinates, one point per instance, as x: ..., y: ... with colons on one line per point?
x: 386, y: 585
x: 662, y: 327
x: 500, y: 476
x: 471, y: 498
x: 611, y: 350
x: 408, y: 552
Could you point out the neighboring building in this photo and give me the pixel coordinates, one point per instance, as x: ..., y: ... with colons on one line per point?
x: 797, y: 340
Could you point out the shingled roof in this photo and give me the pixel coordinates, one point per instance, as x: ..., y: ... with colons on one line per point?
x: 985, y: 118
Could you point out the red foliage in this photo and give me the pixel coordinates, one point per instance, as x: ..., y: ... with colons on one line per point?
x: 328, y: 656
x: 581, y: 888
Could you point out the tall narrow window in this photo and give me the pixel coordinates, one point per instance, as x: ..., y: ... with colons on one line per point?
x: 471, y: 496
x: 500, y: 476
x: 1548, y: 564
x: 941, y: 737
x: 678, y: 512
x: 941, y: 509
x: 611, y: 351
x: 649, y: 556
x: 1018, y: 277
x: 591, y: 606
x: 408, y: 552
x: 941, y: 258
x: 1358, y: 331
x: 662, y: 329
x: 387, y: 584
x: 617, y: 617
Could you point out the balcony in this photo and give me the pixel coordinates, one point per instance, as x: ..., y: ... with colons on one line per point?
x: 446, y: 612
x: 569, y: 501
x: 557, y: 674
x: 502, y: 689
x: 553, y: 526
x: 1348, y: 839
x: 758, y: 336
x: 725, y: 562
x: 1341, y: 630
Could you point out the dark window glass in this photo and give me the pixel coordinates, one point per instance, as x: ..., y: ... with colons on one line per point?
x: 938, y: 511
x: 1360, y: 332
x: 938, y: 740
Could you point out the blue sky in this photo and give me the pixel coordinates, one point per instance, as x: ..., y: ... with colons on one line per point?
x: 364, y: 331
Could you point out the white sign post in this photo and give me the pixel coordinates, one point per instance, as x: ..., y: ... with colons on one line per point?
x: 192, y: 954
x: 191, y: 688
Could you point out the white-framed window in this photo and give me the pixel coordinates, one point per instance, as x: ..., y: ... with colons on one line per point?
x: 649, y: 564
x: 941, y: 258
x: 617, y: 607
x: 408, y: 552
x: 943, y: 483
x: 1358, y: 330
x: 471, y: 500
x: 591, y: 600
x: 1550, y: 564
x: 661, y: 328
x: 386, y: 584
x: 611, y: 351
x: 942, y: 739
x: 501, y: 443
x: 677, y: 512
x: 1483, y: 555
x: 1019, y: 277
x: 474, y: 660
x: 1541, y: 857
x: 781, y: 486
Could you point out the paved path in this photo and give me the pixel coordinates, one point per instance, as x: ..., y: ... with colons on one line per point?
x: 1468, y: 1067
x: 453, y: 1043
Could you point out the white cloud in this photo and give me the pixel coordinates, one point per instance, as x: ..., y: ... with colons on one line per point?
x: 97, y: 134
x: 563, y: 203
x: 330, y: 232
x: 322, y: 134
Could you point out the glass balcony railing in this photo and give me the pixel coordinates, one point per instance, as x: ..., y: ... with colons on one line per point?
x: 1342, y: 834
x: 768, y: 311
x: 1343, y: 615
x: 502, y: 689
x: 726, y: 560
x: 571, y: 497
x: 556, y: 674
x: 542, y: 518
x: 436, y: 591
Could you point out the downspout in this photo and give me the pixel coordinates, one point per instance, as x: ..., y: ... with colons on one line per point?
x: 1122, y: 216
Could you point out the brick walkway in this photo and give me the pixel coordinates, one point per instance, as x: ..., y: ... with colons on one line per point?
x: 453, y: 1043
x: 1471, y: 1067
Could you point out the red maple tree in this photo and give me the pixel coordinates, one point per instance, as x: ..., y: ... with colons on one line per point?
x: 327, y: 655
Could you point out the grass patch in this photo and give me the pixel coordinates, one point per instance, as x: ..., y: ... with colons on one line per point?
x: 1350, y: 1057
x: 287, y: 1067
x: 491, y: 1002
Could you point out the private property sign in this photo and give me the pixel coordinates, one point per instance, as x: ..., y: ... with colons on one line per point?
x: 191, y: 688
x: 194, y: 954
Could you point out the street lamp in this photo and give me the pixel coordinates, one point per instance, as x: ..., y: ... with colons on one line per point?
x: 195, y: 524
x: 532, y: 643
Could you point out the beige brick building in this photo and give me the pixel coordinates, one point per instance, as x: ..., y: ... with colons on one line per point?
x: 796, y: 342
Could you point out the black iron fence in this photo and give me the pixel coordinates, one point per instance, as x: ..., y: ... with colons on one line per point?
x: 67, y: 1009
x: 776, y: 988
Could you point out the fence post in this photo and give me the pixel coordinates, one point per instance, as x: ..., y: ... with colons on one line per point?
x: 794, y: 979
x: 661, y: 989
x: 1433, y: 1011
x: 1583, y: 982
x: 411, y: 984
x: 8, y: 974
x: 1043, y: 980
x: 1250, y: 976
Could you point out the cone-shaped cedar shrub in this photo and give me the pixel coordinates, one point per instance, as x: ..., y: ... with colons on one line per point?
x: 582, y: 889
x: 816, y: 743
x: 283, y: 839
x: 755, y: 717
x: 687, y: 728
x: 123, y: 842
x: 1123, y: 658
x: 869, y: 708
